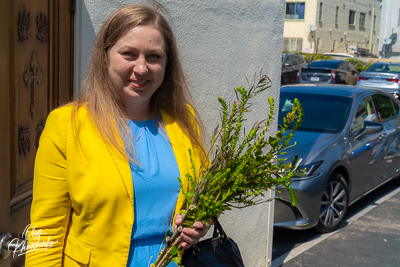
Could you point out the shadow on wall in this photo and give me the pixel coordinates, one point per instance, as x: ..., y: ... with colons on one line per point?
x: 84, y: 36
x: 389, y: 47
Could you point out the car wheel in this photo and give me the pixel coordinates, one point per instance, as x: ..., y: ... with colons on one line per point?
x: 334, y: 205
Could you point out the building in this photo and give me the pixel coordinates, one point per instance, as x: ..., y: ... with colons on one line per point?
x: 45, y: 48
x: 389, y: 45
x: 319, y: 26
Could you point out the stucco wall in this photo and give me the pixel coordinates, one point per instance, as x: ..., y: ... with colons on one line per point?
x: 221, y: 42
x: 328, y: 31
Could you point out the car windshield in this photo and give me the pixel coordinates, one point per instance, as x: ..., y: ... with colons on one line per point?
x: 322, y: 113
x: 325, y: 64
x: 384, y: 68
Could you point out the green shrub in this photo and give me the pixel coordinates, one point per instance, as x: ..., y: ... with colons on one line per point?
x: 360, y: 65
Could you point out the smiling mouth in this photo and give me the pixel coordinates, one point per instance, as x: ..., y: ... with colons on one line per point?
x: 139, y: 82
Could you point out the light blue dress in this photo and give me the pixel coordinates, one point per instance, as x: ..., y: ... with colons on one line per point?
x: 156, y: 191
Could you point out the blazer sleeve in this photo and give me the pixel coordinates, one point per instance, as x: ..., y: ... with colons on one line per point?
x: 51, y: 205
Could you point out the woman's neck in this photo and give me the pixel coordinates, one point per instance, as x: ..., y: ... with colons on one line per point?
x: 138, y: 114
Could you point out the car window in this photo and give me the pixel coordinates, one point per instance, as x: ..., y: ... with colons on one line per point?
x: 318, y: 115
x: 396, y: 107
x: 351, y: 66
x: 289, y: 60
x: 324, y: 64
x: 365, y: 112
x: 344, y: 66
x: 297, y: 60
x: 378, y: 68
x: 384, y: 106
x: 394, y: 68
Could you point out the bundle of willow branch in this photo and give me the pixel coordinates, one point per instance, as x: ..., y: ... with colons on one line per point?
x: 242, y: 168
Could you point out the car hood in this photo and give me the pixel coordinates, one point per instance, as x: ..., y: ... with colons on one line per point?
x: 310, y: 144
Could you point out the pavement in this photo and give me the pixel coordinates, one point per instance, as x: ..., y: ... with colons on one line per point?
x: 371, y: 237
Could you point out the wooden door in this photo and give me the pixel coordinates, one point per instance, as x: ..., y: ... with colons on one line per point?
x: 36, y: 77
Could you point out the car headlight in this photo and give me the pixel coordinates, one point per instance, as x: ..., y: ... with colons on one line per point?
x: 306, y: 171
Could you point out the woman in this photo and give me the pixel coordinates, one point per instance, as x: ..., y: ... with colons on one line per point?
x: 105, y: 185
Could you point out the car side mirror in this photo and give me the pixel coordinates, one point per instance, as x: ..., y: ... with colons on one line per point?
x: 370, y: 127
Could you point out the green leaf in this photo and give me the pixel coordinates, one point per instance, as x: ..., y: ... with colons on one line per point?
x: 174, y: 250
x: 176, y: 260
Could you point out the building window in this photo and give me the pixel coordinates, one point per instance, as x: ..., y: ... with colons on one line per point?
x: 373, y: 27
x: 336, y: 15
x: 398, y: 23
x: 352, y: 18
x: 293, y: 44
x: 294, y: 11
x: 362, y: 20
x: 320, y: 11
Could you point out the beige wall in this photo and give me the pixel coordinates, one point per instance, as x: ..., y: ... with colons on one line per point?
x: 298, y: 28
x: 221, y: 42
x: 342, y: 34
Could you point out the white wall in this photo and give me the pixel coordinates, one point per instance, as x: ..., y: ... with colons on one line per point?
x: 221, y: 42
x: 389, y: 28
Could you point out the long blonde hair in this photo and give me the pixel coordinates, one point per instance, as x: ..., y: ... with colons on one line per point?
x: 105, y: 108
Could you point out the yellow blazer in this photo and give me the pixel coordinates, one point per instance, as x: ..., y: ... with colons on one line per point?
x: 83, y: 194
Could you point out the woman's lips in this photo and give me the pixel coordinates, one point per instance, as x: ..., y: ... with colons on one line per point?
x: 139, y: 83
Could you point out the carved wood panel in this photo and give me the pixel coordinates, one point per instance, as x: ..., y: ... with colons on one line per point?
x: 32, y: 79
x: 36, y: 77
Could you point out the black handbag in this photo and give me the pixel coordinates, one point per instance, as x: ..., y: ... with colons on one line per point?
x: 218, y: 251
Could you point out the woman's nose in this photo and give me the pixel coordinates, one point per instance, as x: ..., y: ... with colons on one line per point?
x: 140, y: 66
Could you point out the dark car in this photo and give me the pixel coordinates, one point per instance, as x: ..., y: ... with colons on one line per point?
x: 349, y: 145
x: 383, y: 75
x: 329, y: 71
x: 291, y: 64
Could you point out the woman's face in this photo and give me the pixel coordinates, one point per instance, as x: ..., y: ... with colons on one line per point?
x: 137, y: 65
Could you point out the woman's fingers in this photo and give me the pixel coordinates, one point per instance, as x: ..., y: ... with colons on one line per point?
x: 191, y: 236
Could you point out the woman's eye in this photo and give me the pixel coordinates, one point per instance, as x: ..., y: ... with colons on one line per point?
x: 155, y: 56
x: 128, y: 54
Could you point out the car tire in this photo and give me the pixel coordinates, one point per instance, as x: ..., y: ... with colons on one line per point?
x: 334, y: 204
x: 396, y: 180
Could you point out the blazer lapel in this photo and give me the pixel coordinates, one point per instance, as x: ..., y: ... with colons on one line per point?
x: 125, y: 172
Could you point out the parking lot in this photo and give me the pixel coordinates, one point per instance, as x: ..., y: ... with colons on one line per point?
x: 370, y: 236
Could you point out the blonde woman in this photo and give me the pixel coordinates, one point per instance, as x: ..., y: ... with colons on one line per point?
x: 105, y: 185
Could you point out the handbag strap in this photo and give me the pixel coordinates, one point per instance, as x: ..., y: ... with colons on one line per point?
x: 218, y: 228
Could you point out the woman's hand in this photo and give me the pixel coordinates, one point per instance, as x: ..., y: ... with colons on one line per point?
x: 191, y: 236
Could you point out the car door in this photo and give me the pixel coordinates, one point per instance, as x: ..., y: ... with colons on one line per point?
x: 340, y: 74
x: 366, y: 166
x: 353, y: 73
x: 345, y: 74
x: 388, y: 110
x: 296, y: 67
x: 287, y: 69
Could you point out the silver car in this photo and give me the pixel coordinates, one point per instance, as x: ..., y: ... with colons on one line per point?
x: 383, y: 75
x: 349, y: 144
